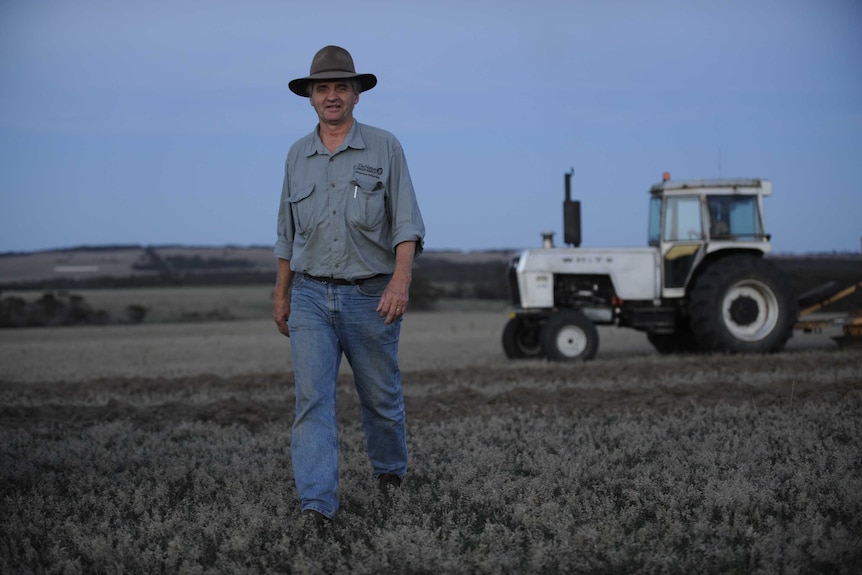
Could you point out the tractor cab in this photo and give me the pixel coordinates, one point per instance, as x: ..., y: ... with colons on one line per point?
x: 693, y: 220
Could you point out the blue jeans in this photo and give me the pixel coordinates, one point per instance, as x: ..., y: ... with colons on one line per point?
x: 325, y: 321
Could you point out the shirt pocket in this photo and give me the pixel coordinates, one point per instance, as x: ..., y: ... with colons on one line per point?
x: 366, y: 209
x: 303, y: 210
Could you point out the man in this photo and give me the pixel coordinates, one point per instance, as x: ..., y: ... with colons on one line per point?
x: 349, y: 228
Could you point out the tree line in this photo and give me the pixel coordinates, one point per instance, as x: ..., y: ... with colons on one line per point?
x: 433, y: 279
x: 60, y: 309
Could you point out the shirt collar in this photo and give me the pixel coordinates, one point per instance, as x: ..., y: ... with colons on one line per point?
x: 352, y: 140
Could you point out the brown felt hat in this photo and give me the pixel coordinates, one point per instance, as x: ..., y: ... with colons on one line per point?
x: 331, y: 63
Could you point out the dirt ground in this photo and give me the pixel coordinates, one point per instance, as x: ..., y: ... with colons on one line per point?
x: 452, y: 362
x: 429, y: 340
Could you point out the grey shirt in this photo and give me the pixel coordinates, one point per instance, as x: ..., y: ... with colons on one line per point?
x: 343, y: 213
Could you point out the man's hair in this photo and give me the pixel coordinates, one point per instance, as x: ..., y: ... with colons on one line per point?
x: 354, y: 83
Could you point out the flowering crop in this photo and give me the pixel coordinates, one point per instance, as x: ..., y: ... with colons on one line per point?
x: 707, y: 464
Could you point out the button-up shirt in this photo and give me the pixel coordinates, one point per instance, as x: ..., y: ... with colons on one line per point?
x: 343, y: 213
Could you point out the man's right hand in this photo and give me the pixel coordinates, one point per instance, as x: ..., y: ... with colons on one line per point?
x: 280, y: 313
x: 281, y: 297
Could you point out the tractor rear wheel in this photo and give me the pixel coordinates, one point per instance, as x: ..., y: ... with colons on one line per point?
x: 569, y: 336
x: 521, y: 338
x: 742, y: 304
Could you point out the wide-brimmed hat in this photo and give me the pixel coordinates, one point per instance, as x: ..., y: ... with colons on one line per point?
x: 331, y: 63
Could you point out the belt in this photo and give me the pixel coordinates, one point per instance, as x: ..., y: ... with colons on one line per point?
x: 342, y: 281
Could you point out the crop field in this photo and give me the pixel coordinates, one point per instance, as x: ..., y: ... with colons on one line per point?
x: 164, y: 448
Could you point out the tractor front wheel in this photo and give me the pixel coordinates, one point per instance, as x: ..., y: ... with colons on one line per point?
x: 521, y: 338
x: 569, y: 336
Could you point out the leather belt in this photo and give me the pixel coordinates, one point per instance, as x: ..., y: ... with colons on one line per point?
x: 341, y: 281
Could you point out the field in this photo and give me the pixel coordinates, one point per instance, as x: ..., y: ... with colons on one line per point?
x: 164, y: 448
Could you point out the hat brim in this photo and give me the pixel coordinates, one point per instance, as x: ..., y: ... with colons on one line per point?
x: 300, y: 85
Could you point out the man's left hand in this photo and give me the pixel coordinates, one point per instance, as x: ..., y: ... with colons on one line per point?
x: 393, y: 302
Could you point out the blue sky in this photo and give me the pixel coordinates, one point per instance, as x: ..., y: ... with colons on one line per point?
x: 168, y: 122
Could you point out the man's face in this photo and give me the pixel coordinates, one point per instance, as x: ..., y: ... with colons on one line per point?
x: 334, y: 101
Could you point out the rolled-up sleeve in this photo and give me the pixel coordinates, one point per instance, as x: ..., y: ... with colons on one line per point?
x: 407, y: 223
x: 284, y: 232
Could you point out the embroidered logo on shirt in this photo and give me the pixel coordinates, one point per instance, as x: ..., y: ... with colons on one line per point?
x: 370, y: 171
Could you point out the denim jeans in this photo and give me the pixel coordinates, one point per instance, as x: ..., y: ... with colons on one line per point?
x: 325, y: 321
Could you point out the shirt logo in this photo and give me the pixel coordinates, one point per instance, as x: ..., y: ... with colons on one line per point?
x: 369, y: 171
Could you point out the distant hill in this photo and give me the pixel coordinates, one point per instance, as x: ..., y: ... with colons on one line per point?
x: 127, y: 262
x: 124, y: 265
x: 443, y: 273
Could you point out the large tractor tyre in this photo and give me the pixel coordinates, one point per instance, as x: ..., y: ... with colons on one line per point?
x: 521, y: 338
x: 681, y: 341
x: 569, y: 336
x: 742, y: 304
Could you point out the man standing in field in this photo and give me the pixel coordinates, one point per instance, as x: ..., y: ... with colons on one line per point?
x: 349, y: 227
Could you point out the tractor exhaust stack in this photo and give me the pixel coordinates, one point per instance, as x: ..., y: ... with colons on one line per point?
x: 571, y: 214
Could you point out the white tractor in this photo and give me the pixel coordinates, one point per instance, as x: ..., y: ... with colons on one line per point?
x: 702, y: 284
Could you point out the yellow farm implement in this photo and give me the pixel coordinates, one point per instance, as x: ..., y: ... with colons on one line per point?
x: 824, y: 296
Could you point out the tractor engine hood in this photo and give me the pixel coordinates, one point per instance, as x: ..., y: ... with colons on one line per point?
x: 634, y: 272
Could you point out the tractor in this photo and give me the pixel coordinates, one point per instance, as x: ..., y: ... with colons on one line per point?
x: 702, y: 284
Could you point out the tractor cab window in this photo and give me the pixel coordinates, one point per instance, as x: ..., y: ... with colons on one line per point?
x: 682, y: 219
x: 654, y: 233
x: 734, y: 217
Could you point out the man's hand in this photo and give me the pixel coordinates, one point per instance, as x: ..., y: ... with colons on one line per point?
x: 393, y: 302
x: 281, y: 297
x: 280, y: 313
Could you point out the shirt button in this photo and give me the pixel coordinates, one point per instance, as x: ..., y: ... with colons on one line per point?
x: 333, y: 212
x: 332, y: 185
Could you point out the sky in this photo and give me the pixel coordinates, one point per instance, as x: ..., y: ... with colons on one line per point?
x: 167, y: 122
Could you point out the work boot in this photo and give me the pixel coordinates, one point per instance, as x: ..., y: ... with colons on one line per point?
x: 314, y: 521
x: 387, y: 482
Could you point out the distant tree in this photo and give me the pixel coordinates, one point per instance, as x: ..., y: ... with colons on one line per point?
x: 423, y: 294
x: 136, y: 313
x: 50, y: 309
x: 13, y: 312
